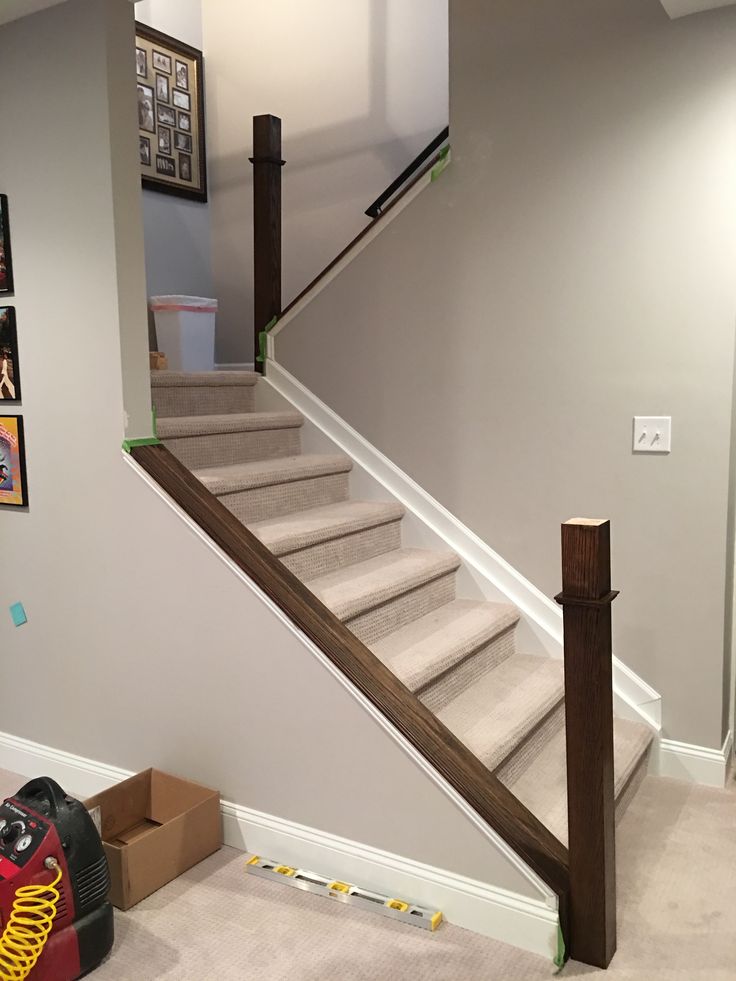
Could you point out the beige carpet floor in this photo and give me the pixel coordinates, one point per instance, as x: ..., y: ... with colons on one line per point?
x: 677, y: 916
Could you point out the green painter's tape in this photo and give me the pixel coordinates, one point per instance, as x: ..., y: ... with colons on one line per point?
x: 129, y: 444
x: 442, y: 164
x: 263, y: 340
x: 560, y: 958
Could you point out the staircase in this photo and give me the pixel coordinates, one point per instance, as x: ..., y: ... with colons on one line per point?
x: 458, y: 656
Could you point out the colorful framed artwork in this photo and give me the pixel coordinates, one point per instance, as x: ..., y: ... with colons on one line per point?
x: 9, y: 372
x: 170, y: 77
x: 13, y: 484
x: 6, y: 261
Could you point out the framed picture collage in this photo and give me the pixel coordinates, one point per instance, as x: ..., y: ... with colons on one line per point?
x: 13, y: 484
x: 171, y: 136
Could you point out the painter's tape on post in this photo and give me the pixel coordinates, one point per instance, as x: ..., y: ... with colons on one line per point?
x: 560, y: 958
x: 442, y: 164
x: 263, y: 341
x: 18, y: 614
x: 129, y: 444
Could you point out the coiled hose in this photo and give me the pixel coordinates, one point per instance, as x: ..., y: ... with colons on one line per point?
x: 28, y: 928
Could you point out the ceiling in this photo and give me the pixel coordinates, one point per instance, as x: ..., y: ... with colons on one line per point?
x: 680, y: 8
x: 13, y: 9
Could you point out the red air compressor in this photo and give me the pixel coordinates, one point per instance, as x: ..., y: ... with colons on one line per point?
x: 56, y: 922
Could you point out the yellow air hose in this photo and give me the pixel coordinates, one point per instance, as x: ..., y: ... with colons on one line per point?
x: 29, y: 927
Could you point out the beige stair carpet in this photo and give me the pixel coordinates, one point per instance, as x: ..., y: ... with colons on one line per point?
x: 458, y: 654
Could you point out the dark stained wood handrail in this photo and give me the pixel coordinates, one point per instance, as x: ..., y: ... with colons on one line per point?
x: 491, y: 800
x: 363, y: 232
x: 586, y: 599
x: 375, y: 209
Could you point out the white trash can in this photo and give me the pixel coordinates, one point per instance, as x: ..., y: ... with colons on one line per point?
x: 185, y: 331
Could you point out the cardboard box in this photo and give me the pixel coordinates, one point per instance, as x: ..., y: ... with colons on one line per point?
x: 154, y: 827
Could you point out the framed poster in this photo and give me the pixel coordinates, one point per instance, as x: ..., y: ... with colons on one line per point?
x: 9, y: 374
x: 171, y: 136
x: 6, y: 261
x: 13, y: 486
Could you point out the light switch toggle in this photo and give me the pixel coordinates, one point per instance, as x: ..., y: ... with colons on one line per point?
x: 652, y: 434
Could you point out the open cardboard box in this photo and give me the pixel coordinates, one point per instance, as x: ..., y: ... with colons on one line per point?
x: 154, y: 827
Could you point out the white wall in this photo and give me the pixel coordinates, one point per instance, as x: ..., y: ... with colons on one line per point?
x: 361, y: 88
x: 141, y: 647
x: 177, y: 231
x: 574, y: 267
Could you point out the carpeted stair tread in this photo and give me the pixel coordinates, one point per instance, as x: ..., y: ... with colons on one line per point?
x: 356, y: 588
x: 202, y: 379
x: 177, y: 427
x: 265, y: 473
x: 542, y: 787
x: 305, y: 528
x: 427, y: 648
x: 504, y: 706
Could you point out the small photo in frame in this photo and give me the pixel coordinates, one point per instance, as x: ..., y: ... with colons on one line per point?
x: 182, y: 75
x: 6, y: 261
x: 145, y: 109
x: 162, y: 88
x: 166, y: 115
x: 185, y: 122
x: 182, y: 100
x: 9, y: 373
x: 185, y: 166
x: 161, y: 62
x: 164, y: 140
x: 144, y: 147
x: 165, y: 166
x: 183, y: 141
x: 13, y: 485
x: 141, y: 62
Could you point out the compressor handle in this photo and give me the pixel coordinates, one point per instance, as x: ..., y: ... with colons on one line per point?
x: 44, y: 788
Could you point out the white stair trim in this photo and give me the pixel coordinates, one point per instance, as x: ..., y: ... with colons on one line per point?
x: 634, y: 697
x: 697, y: 764
x: 530, y: 924
x: 683, y: 8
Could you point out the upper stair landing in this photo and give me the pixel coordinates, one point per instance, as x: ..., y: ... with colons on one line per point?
x: 180, y: 393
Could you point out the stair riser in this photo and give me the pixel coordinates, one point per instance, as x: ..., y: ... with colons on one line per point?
x: 221, y: 449
x: 510, y: 769
x: 440, y: 692
x: 371, y: 626
x: 318, y: 560
x: 628, y: 792
x: 262, y: 503
x: 199, y: 400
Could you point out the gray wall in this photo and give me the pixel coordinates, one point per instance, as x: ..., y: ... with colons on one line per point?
x: 573, y: 268
x: 361, y: 87
x: 177, y: 231
x: 141, y: 647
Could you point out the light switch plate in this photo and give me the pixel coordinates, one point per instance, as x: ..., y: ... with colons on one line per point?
x: 652, y: 434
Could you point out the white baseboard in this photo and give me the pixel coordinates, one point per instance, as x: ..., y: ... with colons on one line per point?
x: 697, y: 764
x: 634, y: 697
x: 527, y: 923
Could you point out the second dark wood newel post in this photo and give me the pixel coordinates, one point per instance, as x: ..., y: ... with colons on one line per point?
x: 586, y: 599
x: 267, y: 164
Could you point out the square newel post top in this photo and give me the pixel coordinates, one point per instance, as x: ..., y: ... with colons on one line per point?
x: 586, y: 561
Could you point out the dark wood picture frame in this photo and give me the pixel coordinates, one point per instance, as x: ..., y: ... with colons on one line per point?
x: 10, y: 383
x: 193, y: 187
x: 6, y: 258
x: 21, y: 459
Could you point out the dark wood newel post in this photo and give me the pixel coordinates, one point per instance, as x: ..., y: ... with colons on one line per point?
x: 586, y: 599
x: 267, y: 164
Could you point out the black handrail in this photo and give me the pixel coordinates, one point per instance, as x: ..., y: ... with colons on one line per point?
x: 375, y: 209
